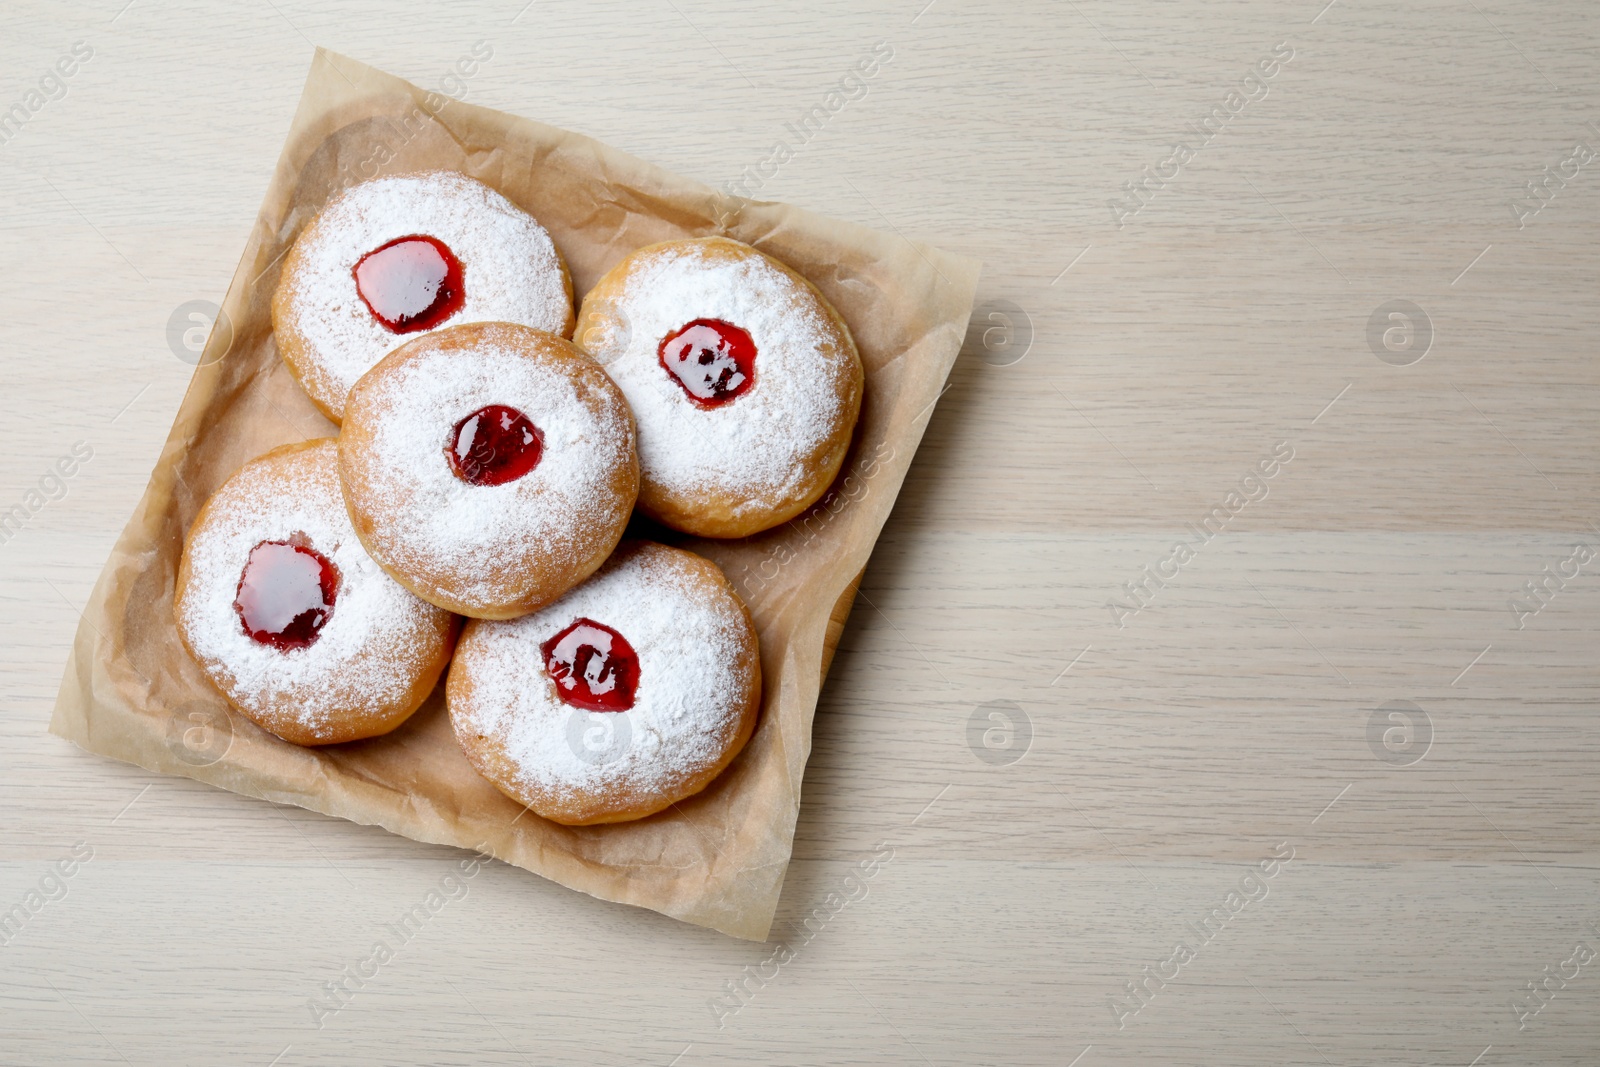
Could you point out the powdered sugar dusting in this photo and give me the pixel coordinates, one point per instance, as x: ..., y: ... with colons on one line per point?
x: 687, y: 708
x: 756, y: 445
x: 467, y: 542
x: 378, y: 637
x: 511, y: 270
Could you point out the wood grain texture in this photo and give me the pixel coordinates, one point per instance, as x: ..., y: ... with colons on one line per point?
x: 1167, y: 750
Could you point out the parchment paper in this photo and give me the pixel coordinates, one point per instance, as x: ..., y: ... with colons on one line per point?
x: 716, y: 860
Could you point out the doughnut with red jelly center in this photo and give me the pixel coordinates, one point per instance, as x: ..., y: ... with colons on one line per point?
x: 399, y: 256
x: 627, y: 695
x: 488, y: 468
x: 743, y: 379
x: 288, y: 616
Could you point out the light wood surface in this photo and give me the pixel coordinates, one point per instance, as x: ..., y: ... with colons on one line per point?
x: 1012, y: 902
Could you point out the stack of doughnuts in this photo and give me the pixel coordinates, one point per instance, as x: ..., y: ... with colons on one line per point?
x: 469, y: 516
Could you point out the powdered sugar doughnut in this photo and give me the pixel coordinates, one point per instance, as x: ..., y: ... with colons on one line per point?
x: 743, y: 380
x: 397, y: 256
x: 284, y: 611
x: 488, y: 468
x: 625, y: 696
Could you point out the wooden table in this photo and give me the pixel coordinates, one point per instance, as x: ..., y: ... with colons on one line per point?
x: 1072, y: 744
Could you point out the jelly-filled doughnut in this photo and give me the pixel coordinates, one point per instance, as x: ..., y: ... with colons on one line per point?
x: 398, y: 256
x: 622, y: 698
x: 488, y: 468
x: 743, y: 380
x: 288, y: 616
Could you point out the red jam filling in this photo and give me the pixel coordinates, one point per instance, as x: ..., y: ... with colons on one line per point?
x: 593, y: 666
x: 411, y: 283
x: 494, y: 445
x: 285, y: 594
x: 713, y: 361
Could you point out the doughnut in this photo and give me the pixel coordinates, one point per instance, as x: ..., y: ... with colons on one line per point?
x: 287, y: 615
x: 743, y: 380
x: 397, y: 256
x: 622, y: 698
x: 488, y: 468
